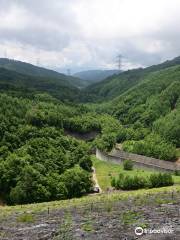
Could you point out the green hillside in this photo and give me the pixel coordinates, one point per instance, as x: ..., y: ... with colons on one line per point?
x: 21, y: 84
x: 150, y: 113
x: 116, y: 85
x: 32, y: 70
x: 38, y: 160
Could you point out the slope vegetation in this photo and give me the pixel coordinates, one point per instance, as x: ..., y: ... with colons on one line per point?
x: 116, y: 85
x: 108, y: 216
x: 150, y: 112
x: 21, y: 84
x: 32, y: 70
x: 39, y: 161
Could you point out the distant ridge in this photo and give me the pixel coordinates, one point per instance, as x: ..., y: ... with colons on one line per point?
x: 92, y: 76
x: 36, y: 71
x: 19, y: 84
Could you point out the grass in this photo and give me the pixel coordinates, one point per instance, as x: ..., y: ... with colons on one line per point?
x: 65, y: 229
x: 130, y: 217
x: 87, y: 226
x: 106, y: 170
x: 178, y: 152
x: 87, y: 201
x: 26, y: 218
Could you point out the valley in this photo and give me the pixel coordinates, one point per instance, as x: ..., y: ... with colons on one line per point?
x: 50, y: 127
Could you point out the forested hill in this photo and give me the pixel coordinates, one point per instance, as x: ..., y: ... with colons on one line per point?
x: 116, y: 85
x: 19, y: 84
x: 156, y: 96
x: 32, y: 70
x: 151, y: 109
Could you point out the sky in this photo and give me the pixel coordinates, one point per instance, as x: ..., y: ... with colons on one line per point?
x: 89, y: 34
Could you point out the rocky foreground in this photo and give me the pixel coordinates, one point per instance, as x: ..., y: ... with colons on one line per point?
x: 107, y: 220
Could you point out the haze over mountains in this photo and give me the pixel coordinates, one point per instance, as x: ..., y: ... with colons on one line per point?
x: 92, y: 76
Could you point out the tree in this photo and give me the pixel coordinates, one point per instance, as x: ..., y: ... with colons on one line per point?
x: 77, y: 182
x: 30, y: 188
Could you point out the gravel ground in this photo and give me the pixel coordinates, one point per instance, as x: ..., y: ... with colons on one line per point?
x: 99, y: 221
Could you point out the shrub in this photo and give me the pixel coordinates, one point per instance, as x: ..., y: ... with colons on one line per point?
x: 26, y: 218
x: 86, y: 163
x: 128, y: 165
x: 133, y: 182
x: 160, y: 180
x: 113, y: 182
x: 177, y: 172
x: 127, y: 182
x: 77, y: 182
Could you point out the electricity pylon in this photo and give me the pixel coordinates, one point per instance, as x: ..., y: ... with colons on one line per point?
x: 69, y: 71
x: 119, y: 61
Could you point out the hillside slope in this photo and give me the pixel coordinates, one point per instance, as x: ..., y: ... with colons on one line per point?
x: 20, y: 84
x: 116, y: 85
x: 156, y: 95
x: 150, y: 114
x: 108, y: 216
x: 32, y: 70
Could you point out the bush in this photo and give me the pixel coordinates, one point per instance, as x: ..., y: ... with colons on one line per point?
x: 127, y: 182
x: 133, y: 183
x: 77, y: 182
x: 113, y: 182
x: 160, y: 180
x: 86, y: 163
x: 128, y: 165
x: 177, y: 172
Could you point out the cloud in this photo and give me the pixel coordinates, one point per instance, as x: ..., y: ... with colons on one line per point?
x: 82, y: 34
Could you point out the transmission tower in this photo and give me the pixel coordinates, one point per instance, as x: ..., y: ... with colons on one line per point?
x: 69, y: 71
x: 119, y: 61
x: 37, y: 62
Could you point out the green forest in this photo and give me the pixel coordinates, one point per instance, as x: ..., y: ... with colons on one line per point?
x: 40, y: 162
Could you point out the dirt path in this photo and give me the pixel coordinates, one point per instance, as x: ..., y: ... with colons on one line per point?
x: 95, y: 180
x: 178, y: 161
